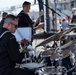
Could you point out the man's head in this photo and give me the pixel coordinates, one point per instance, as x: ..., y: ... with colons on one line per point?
x: 4, y: 14
x: 26, y: 6
x: 74, y: 10
x: 11, y: 23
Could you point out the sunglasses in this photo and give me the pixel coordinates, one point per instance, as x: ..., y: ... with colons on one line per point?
x: 14, y: 25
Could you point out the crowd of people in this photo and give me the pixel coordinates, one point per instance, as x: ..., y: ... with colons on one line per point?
x: 61, y: 24
x: 9, y: 47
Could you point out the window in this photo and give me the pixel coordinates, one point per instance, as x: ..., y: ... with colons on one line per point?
x: 72, y: 4
x: 65, y: 6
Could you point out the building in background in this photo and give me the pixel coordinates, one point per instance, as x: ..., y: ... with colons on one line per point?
x: 67, y: 4
x: 64, y: 7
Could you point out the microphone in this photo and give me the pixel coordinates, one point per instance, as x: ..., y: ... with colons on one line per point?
x: 49, y: 8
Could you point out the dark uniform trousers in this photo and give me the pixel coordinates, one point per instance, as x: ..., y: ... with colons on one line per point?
x: 19, y: 71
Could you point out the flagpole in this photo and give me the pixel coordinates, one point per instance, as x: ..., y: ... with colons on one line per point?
x: 55, y: 7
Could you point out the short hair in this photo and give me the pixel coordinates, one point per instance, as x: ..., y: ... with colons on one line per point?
x: 26, y: 3
x: 10, y: 17
x: 4, y: 13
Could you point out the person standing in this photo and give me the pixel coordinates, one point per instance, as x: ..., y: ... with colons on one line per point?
x: 73, y: 17
x: 4, y: 15
x: 24, y: 19
x: 64, y: 24
x: 57, y: 25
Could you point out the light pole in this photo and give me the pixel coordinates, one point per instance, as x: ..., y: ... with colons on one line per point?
x: 55, y: 8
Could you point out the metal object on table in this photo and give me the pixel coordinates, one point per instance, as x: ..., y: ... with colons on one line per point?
x: 32, y: 65
x: 26, y: 50
x: 64, y: 60
x: 47, y: 53
x: 55, y: 37
x: 67, y: 44
x: 47, y: 71
x: 43, y: 35
x: 60, y: 54
x: 29, y: 54
x: 64, y: 54
x: 51, y: 38
x: 61, y: 58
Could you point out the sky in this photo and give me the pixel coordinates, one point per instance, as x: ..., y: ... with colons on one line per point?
x: 9, y: 3
x: 6, y: 4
